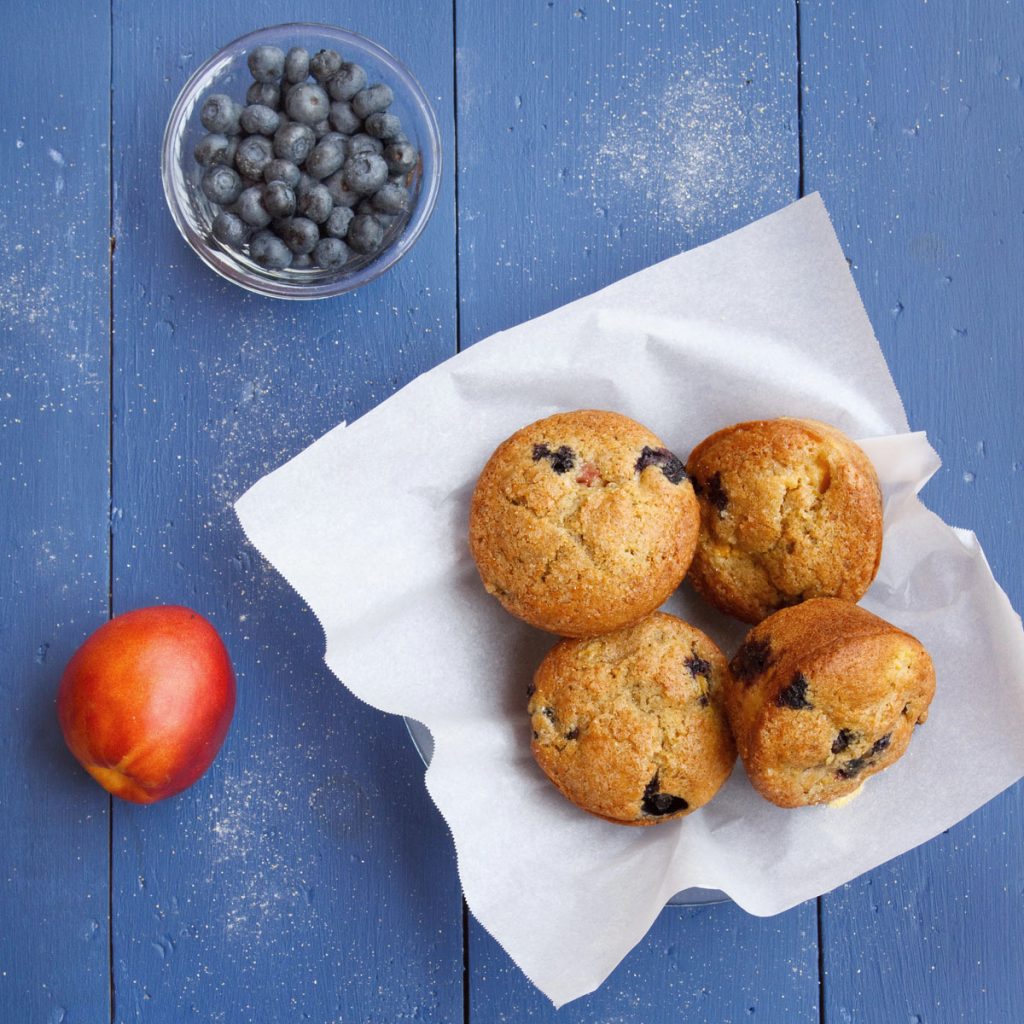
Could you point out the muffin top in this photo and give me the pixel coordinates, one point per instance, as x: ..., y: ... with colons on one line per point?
x: 582, y: 523
x: 790, y: 509
x: 822, y: 696
x: 630, y: 726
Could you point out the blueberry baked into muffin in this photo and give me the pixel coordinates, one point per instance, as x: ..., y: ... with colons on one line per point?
x: 582, y: 523
x: 631, y: 726
x: 822, y: 696
x: 790, y: 509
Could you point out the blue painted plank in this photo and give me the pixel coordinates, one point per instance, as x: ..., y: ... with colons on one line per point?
x: 54, y: 339
x: 594, y: 141
x: 913, y: 121
x: 307, y: 876
x: 711, y: 964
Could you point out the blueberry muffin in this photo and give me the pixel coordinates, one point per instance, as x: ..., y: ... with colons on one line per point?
x: 790, y: 509
x: 631, y: 726
x: 582, y: 523
x: 822, y: 696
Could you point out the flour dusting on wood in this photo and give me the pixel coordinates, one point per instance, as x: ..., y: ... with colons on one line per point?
x: 697, y: 148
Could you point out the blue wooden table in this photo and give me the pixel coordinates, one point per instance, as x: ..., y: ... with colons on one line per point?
x: 307, y: 876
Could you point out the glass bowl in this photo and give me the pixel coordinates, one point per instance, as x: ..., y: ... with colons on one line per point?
x: 227, y: 71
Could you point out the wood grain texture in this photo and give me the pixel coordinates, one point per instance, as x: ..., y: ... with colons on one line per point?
x: 913, y: 120
x: 307, y: 876
x: 54, y: 504
x: 594, y: 141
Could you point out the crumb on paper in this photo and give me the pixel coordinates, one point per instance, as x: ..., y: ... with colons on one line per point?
x: 842, y: 801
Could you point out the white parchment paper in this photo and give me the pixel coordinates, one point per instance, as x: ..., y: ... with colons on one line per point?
x: 369, y: 525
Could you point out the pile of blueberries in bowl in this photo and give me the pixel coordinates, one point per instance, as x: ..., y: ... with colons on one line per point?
x: 311, y: 181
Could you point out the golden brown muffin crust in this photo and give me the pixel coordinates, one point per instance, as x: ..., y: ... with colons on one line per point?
x: 583, y: 522
x: 822, y: 696
x: 630, y: 726
x: 790, y: 509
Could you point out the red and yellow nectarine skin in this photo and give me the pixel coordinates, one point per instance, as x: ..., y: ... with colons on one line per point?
x: 146, y: 701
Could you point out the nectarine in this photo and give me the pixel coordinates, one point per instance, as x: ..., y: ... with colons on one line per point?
x: 146, y: 702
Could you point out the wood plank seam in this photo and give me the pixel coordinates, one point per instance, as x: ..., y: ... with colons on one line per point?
x: 800, y: 193
x: 110, y: 473
x: 455, y: 174
x: 799, y: 102
x: 458, y: 348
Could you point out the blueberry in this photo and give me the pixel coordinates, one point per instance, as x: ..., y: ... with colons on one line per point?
x: 220, y: 114
x: 391, y: 198
x: 229, y: 229
x: 254, y: 153
x: 221, y: 185
x: 298, y: 233
x: 333, y: 136
x: 794, y: 696
x: 279, y: 199
x: 330, y: 253
x: 383, y: 126
x: 670, y: 465
x: 698, y: 667
x: 363, y: 143
x: 852, y: 768
x: 346, y: 82
x: 305, y: 183
x: 751, y: 660
x: 401, y: 157
x: 843, y: 739
x: 302, y: 261
x: 251, y: 209
x: 296, y: 65
x: 365, y: 234
x: 562, y: 459
x: 716, y: 495
x: 214, y: 149
x: 340, y: 193
x: 257, y: 119
x: 266, y: 63
x: 267, y: 94
x: 370, y: 101
x: 307, y: 104
x: 365, y: 206
x: 315, y: 203
x: 365, y: 173
x: 343, y: 118
x: 293, y: 142
x: 282, y: 170
x: 657, y: 804
x: 269, y: 251
x: 327, y: 157
x: 881, y: 744
x: 326, y: 64
x: 336, y: 226
x: 321, y: 129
